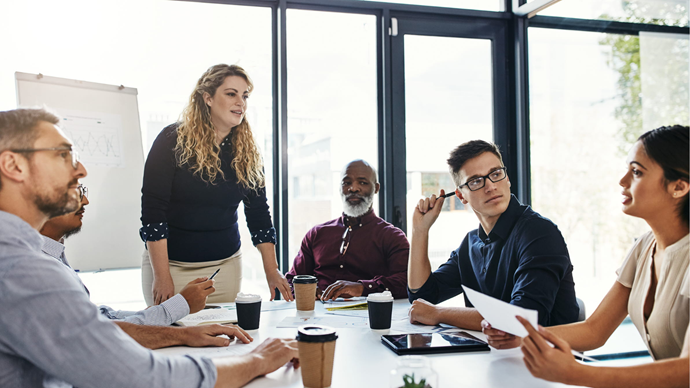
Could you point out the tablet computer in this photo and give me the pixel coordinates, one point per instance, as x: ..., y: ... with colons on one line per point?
x: 428, y: 343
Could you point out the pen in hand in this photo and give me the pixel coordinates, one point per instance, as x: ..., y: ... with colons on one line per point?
x: 214, y: 274
x: 446, y: 195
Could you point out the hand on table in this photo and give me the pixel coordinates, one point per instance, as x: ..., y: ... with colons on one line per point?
x: 427, y: 211
x: 208, y: 335
x: 343, y: 289
x: 549, y: 363
x: 274, y: 353
x: 277, y: 280
x: 196, y: 292
x: 499, y: 339
x: 163, y: 288
x: 424, y: 312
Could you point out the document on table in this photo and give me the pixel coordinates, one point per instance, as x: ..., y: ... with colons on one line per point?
x: 206, y: 317
x: 403, y: 326
x: 356, y: 303
x: 236, y: 348
x: 265, y: 305
x: 500, y: 314
x: 396, y: 315
x: 338, y: 322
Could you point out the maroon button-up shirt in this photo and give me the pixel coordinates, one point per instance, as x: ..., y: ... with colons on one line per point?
x: 376, y: 255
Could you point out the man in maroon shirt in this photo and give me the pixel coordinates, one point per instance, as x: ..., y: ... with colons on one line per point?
x: 358, y: 253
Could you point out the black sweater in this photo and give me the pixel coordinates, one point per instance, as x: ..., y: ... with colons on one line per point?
x: 199, y: 219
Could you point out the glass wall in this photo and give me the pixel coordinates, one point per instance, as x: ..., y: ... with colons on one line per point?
x: 332, y: 111
x: 448, y: 101
x: 665, y: 12
x: 158, y: 47
x: 485, y: 5
x: 587, y: 106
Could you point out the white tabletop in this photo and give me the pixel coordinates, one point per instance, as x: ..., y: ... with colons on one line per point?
x: 361, y: 360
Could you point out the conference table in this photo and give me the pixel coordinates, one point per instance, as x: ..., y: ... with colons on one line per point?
x: 361, y: 360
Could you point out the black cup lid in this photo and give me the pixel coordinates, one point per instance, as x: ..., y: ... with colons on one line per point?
x: 304, y: 279
x: 316, y: 333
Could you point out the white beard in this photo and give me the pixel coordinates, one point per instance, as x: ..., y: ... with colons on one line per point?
x: 359, y: 209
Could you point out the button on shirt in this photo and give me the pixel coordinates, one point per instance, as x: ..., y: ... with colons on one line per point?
x: 524, y: 261
x: 51, y: 335
x: 164, y: 314
x: 376, y: 255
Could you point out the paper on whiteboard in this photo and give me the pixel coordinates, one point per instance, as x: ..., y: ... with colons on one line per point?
x: 97, y: 137
x: 501, y: 315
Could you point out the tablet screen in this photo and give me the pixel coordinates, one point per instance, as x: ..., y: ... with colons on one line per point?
x: 457, y: 341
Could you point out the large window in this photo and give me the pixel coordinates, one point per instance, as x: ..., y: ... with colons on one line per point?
x: 666, y: 12
x: 159, y: 47
x: 486, y: 5
x: 591, y: 96
x: 448, y: 101
x: 332, y: 117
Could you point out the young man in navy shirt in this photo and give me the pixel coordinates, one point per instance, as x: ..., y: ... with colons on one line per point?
x: 514, y: 255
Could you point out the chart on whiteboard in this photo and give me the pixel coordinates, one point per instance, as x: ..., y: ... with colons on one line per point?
x: 97, y: 137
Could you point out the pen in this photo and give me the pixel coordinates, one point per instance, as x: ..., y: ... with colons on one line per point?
x: 446, y: 195
x: 214, y: 274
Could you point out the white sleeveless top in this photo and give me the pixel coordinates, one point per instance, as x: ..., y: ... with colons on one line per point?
x: 665, y: 329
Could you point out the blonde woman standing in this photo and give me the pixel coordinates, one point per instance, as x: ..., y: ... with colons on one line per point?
x: 197, y: 173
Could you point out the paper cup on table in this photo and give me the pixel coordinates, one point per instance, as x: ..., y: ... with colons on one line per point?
x: 380, y: 306
x: 248, y: 311
x: 316, y: 350
x: 305, y: 292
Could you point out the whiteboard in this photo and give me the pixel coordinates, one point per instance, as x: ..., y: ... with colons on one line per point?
x: 103, y: 122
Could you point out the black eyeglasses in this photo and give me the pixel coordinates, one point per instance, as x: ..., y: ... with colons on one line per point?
x: 346, y: 240
x: 72, y: 153
x: 496, y: 175
x: 83, y: 192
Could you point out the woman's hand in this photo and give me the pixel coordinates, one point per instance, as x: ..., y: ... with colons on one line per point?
x: 163, y: 287
x: 275, y: 280
x: 549, y: 363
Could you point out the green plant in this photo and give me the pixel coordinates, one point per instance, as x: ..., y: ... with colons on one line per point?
x: 410, y: 383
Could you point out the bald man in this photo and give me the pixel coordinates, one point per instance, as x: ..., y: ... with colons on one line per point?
x: 357, y: 253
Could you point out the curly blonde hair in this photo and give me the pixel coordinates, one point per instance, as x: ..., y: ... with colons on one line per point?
x: 196, y: 136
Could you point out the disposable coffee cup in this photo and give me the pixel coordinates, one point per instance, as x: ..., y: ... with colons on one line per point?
x: 316, y: 350
x: 305, y: 292
x: 248, y: 311
x: 380, y: 306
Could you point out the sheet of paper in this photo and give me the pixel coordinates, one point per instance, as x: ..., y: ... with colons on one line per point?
x: 277, y: 305
x: 500, y: 314
x: 204, y: 317
x: 396, y: 315
x: 403, y: 326
x: 235, y: 349
x: 343, y: 303
x: 265, y: 305
x: 335, y: 321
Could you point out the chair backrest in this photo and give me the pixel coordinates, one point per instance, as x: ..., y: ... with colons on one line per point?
x: 582, y: 316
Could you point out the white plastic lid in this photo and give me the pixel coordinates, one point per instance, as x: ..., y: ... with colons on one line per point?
x: 247, y: 298
x: 385, y: 296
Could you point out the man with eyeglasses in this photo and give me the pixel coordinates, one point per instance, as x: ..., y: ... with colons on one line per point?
x: 154, y: 334
x: 51, y: 335
x: 358, y: 253
x: 515, y: 255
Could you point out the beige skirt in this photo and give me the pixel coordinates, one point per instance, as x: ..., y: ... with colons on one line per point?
x: 228, y: 280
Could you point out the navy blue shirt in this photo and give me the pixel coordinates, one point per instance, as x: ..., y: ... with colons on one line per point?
x: 199, y: 219
x: 523, y: 261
